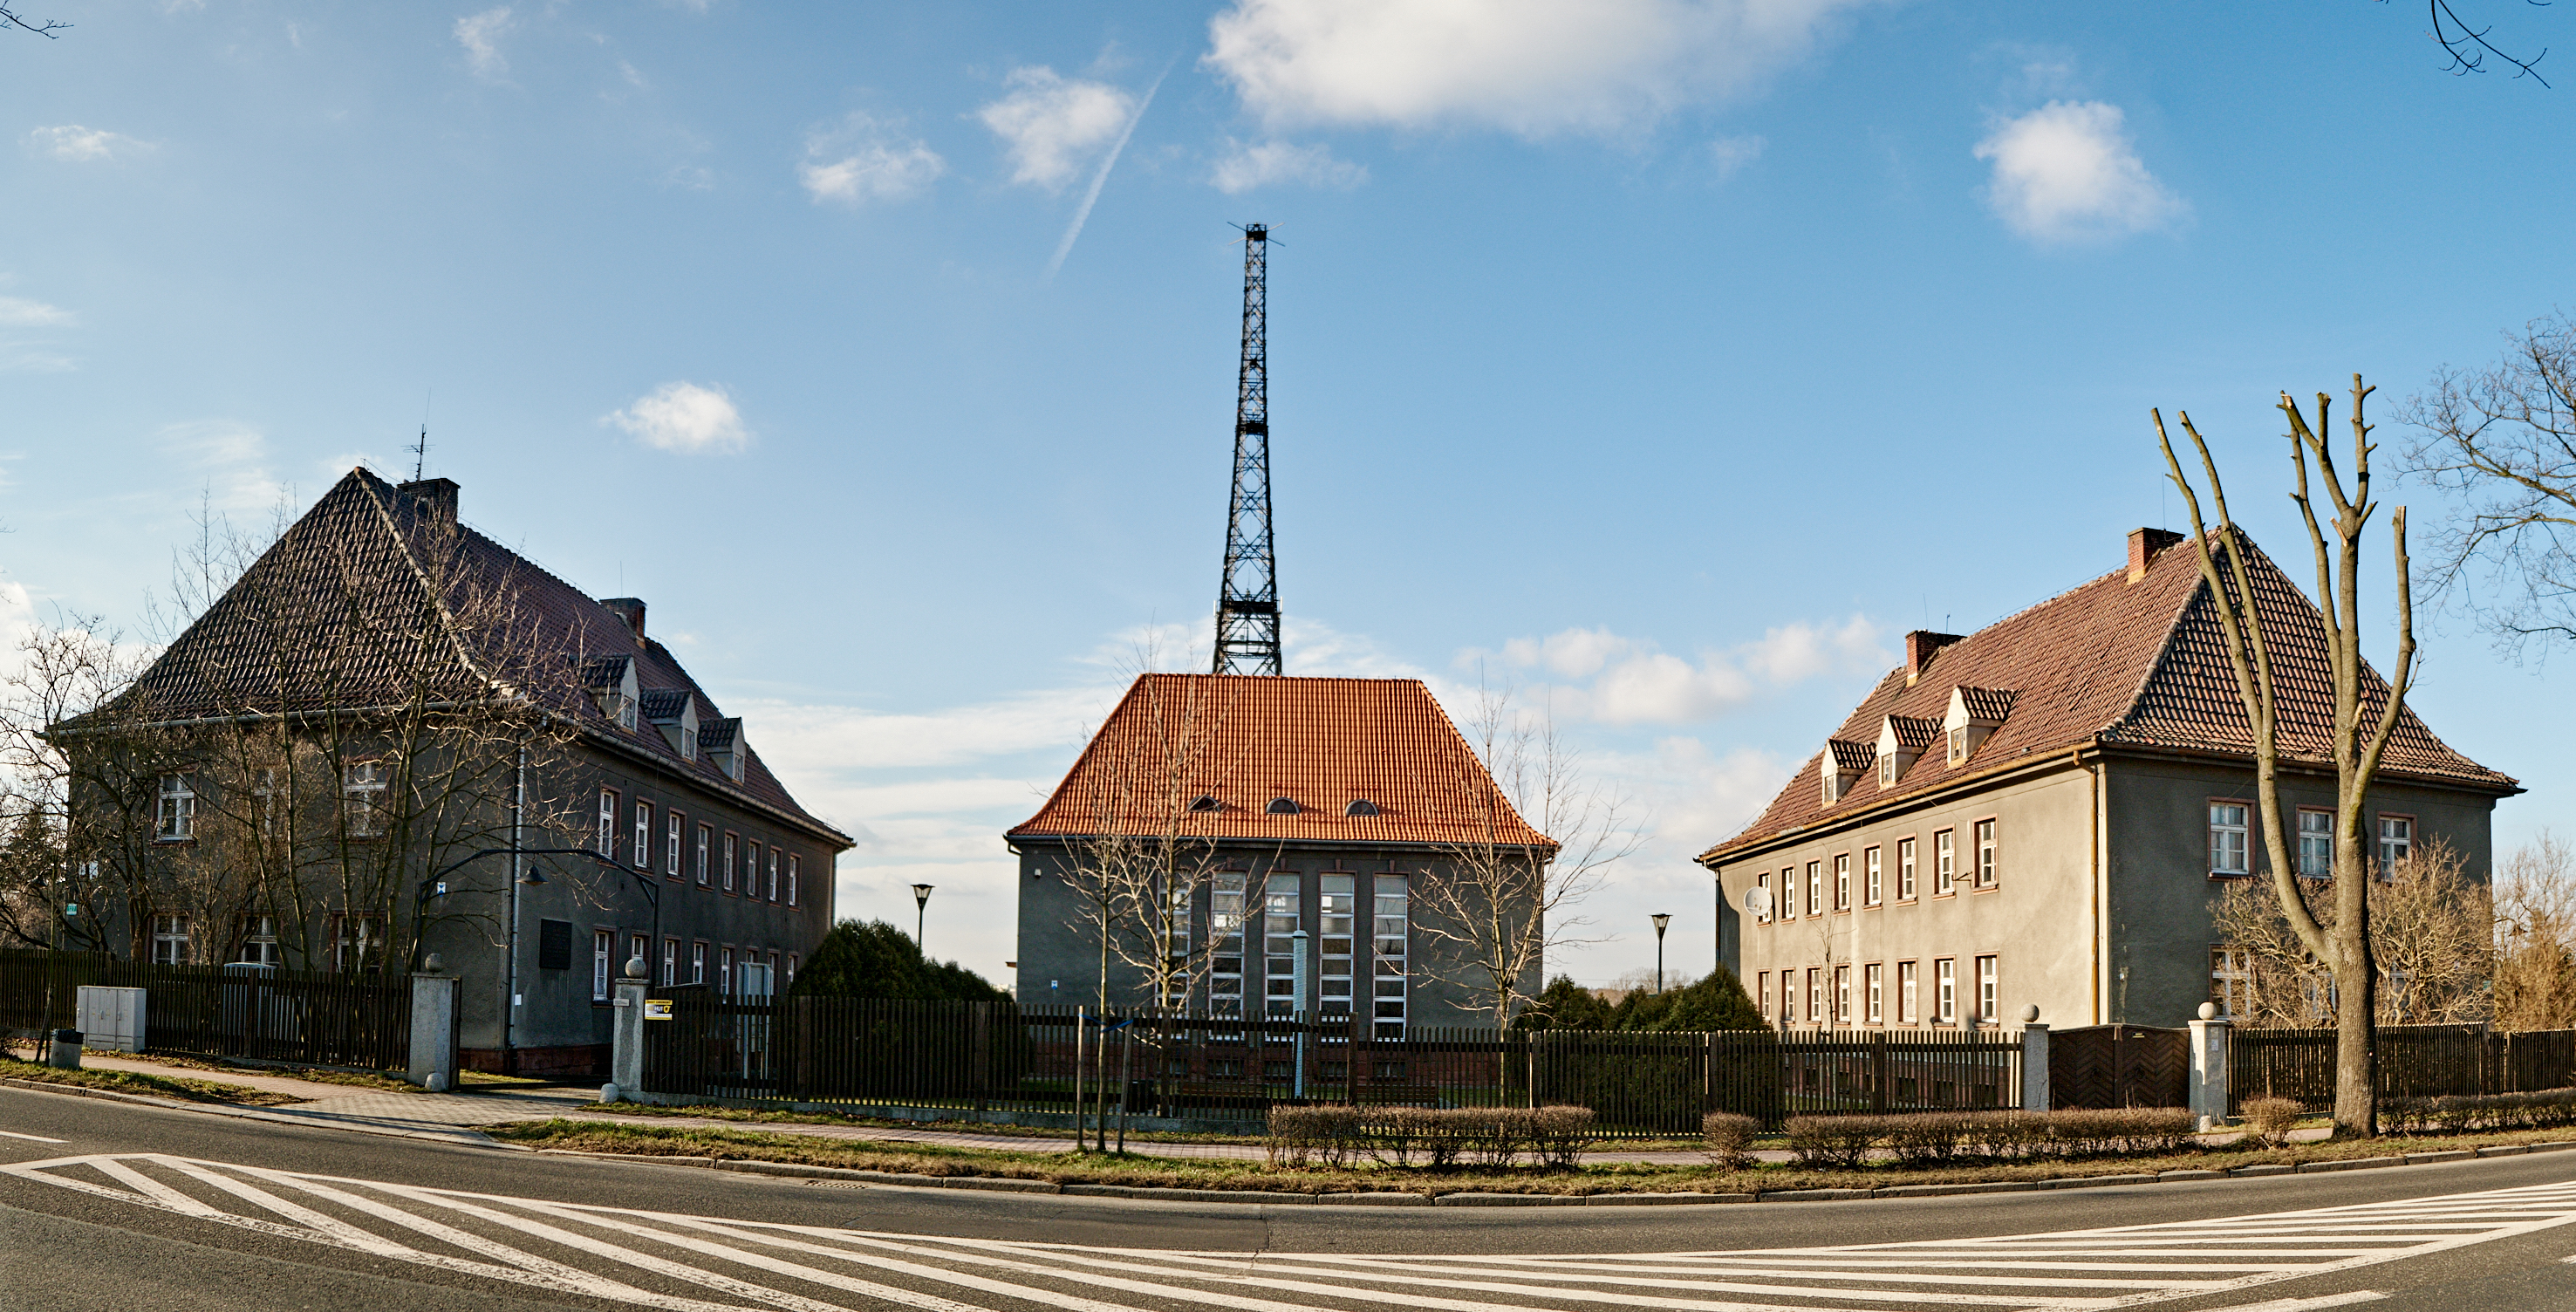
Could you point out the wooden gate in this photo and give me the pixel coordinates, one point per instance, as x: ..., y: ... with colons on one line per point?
x: 2119, y: 1066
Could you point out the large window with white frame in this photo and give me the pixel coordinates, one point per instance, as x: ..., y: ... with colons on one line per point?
x: 643, y: 853
x: 1225, y: 940
x: 1815, y: 888
x: 1905, y: 864
x: 170, y: 940
x: 1945, y: 863
x: 259, y: 944
x: 1788, y: 892
x: 1338, y: 908
x: 1909, y: 988
x: 1842, y: 881
x: 1283, y: 913
x: 1874, y: 987
x: 1842, y: 995
x: 1763, y: 881
x: 1817, y: 1015
x: 2316, y: 843
x: 365, y: 789
x: 731, y: 845
x: 1762, y: 995
x: 2396, y: 843
x: 1872, y: 889
x: 2228, y: 832
x: 603, y: 945
x: 796, y: 871
x: 1985, y: 854
x: 673, y: 825
x: 1988, y: 1006
x: 607, y: 840
x: 1945, y: 992
x: 2231, y: 981
x: 174, y: 814
x: 1391, y: 933
x: 773, y: 874
x: 706, y: 838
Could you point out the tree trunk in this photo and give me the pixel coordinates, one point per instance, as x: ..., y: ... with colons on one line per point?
x: 2356, y: 1105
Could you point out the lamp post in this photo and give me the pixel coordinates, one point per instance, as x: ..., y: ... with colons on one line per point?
x: 920, y: 914
x: 1661, y: 920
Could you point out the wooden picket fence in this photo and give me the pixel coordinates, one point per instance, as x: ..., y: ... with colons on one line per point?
x: 316, y: 1018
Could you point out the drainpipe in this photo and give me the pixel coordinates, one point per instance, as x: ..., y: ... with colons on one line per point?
x: 510, y: 997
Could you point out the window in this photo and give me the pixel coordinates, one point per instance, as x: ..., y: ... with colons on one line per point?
x: 1945, y: 863
x: 1763, y: 881
x: 1874, y: 984
x: 751, y: 869
x: 1225, y: 939
x: 672, y: 825
x: 1393, y: 930
x: 791, y: 968
x: 670, y: 961
x: 728, y: 863
x: 773, y: 874
x: 1282, y: 806
x: 1789, y: 893
x: 1360, y: 807
x: 607, y: 842
x: 697, y: 963
x: 1908, y: 1000
x: 1815, y: 888
x: 1905, y: 870
x: 795, y: 869
x: 169, y: 940
x: 603, y: 945
x: 1871, y: 889
x: 1282, y: 915
x: 638, y: 949
x: 357, y: 943
x: 2231, y: 981
x: 259, y: 941
x: 643, y: 853
x: 1887, y: 771
x: 706, y: 836
x: 1958, y: 744
x: 174, y: 816
x: 1842, y: 881
x: 1985, y: 854
x: 724, y: 973
x: 2227, y: 848
x: 1337, y: 901
x: 1945, y: 992
x: 1762, y: 995
x: 1842, y: 995
x: 1986, y: 1008
x: 2316, y: 844
x: 1788, y: 998
x: 263, y: 801
x: 1816, y: 1013
x: 364, y: 786
x: 2396, y: 843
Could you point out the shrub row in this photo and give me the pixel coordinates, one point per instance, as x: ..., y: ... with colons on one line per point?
x: 1439, y: 1137
x: 1935, y: 1138
x: 2545, y: 1109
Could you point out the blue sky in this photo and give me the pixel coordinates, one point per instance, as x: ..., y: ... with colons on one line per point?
x: 1667, y: 364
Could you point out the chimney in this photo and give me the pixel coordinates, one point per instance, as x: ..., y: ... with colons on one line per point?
x: 1919, y: 646
x: 629, y: 609
x: 435, y: 496
x: 2144, y: 543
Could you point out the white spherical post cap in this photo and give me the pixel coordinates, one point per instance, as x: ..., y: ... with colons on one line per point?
x: 2030, y: 1014
x: 635, y: 967
x: 2209, y: 1011
x: 608, y: 1092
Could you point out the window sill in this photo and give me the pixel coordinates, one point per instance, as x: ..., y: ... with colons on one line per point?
x: 1989, y: 888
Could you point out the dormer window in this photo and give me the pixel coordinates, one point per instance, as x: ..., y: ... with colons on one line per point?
x: 626, y: 713
x: 1887, y: 772
x: 1842, y: 765
x: 1205, y: 803
x: 1901, y: 738
x: 1360, y: 807
x: 1959, y: 745
x: 1974, y: 714
x: 611, y: 681
x: 1282, y: 806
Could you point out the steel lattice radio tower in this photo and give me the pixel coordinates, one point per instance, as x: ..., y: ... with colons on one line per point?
x: 1247, y: 605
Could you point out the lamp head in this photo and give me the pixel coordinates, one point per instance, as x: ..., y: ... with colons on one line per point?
x: 532, y: 878
x: 921, y: 894
x: 1661, y: 920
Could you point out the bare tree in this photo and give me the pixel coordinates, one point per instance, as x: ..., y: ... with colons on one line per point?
x: 2504, y: 438
x: 2535, y: 923
x: 2360, y: 731
x: 1139, y: 875
x: 1544, y: 838
x: 2432, y: 930
x: 2468, y: 47
x: 43, y: 27
x: 80, y: 824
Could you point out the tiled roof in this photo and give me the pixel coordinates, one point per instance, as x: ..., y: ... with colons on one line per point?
x: 281, y: 638
x: 1986, y: 705
x: 2116, y: 663
x: 1850, y: 755
x: 1245, y: 740
x: 664, y: 703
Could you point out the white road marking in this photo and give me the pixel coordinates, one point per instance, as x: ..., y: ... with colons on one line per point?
x: 32, y: 1138
x: 697, y: 1264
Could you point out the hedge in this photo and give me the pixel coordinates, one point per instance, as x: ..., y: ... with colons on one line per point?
x: 1935, y: 1138
x: 1333, y: 1135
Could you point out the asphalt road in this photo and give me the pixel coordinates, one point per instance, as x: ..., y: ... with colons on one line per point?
x: 138, y: 1207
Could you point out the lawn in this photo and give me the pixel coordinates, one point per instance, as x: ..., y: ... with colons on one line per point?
x: 159, y: 1086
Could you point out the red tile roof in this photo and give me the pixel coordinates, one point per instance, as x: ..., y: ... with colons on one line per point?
x: 278, y: 640
x: 2115, y: 663
x: 1246, y: 740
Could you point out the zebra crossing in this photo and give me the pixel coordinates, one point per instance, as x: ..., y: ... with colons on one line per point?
x: 671, y: 1260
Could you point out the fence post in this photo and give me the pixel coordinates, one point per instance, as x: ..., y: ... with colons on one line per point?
x: 1878, y: 1072
x: 2208, y: 1088
x: 626, y: 1032
x: 433, y: 1028
x: 2034, y: 1061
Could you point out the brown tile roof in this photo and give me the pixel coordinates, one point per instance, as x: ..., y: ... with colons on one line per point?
x: 1850, y: 755
x: 1913, y: 733
x: 266, y: 644
x: 2115, y: 663
x: 1986, y: 705
x: 1245, y: 740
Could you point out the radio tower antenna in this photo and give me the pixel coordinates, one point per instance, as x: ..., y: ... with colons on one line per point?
x: 1247, y: 605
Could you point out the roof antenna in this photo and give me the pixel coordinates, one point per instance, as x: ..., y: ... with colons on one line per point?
x: 420, y: 449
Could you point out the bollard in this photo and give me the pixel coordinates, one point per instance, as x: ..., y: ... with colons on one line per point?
x: 65, y: 1052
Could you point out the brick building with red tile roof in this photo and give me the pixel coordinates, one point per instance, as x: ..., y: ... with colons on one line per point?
x: 379, y: 603
x: 2045, y: 812
x: 1306, y: 804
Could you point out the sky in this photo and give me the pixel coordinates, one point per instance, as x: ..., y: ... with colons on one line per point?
x: 1658, y: 361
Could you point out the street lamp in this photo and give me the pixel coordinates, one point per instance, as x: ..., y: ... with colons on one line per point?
x: 1661, y: 920
x: 921, y: 913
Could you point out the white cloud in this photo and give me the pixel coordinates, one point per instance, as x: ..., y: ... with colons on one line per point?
x: 233, y: 456
x: 1534, y: 67
x: 79, y: 145
x: 1732, y: 154
x: 686, y: 418
x: 480, y: 34
x: 2067, y: 172
x: 1246, y: 167
x: 863, y: 159
x: 1054, y: 125
x: 1612, y: 679
x: 18, y: 313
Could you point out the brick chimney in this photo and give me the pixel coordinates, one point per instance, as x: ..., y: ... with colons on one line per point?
x: 2144, y: 543
x: 629, y: 609
x: 436, y: 498
x: 1919, y: 646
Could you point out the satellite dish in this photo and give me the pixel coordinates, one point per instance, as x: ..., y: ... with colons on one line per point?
x: 1757, y: 902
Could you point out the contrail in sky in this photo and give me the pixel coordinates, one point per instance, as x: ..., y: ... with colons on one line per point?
x: 1100, y: 179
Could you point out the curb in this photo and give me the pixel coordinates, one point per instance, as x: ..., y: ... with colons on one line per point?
x: 461, y: 1137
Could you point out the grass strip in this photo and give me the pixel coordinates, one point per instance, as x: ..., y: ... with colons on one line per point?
x: 158, y: 1086
x: 1602, y: 1178
x: 1254, y: 1138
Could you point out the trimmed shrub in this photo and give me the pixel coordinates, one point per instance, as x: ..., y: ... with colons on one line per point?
x: 2001, y: 1136
x: 2272, y: 1119
x: 1833, y: 1140
x: 1729, y: 1138
x: 1299, y: 1135
x: 1558, y: 1134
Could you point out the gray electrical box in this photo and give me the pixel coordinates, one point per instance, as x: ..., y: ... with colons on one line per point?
x: 111, y: 1017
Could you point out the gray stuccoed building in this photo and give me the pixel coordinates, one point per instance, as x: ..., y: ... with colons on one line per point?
x: 1293, y: 845
x: 2047, y: 811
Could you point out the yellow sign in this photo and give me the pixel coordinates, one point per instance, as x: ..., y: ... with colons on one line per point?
x: 657, y: 1008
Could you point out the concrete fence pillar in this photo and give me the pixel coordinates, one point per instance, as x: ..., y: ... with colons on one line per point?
x: 435, y: 1017
x: 2208, y: 1087
x: 626, y: 1021
x: 2034, y: 1061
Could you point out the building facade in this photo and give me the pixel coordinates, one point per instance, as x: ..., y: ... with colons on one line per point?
x: 393, y: 738
x: 1307, y: 836
x: 2046, y: 812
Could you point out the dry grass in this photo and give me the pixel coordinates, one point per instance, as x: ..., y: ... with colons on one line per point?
x: 158, y: 1086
